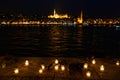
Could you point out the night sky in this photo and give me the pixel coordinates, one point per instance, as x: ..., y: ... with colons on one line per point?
x: 97, y: 8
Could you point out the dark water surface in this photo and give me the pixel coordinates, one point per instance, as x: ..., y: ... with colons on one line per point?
x: 54, y: 40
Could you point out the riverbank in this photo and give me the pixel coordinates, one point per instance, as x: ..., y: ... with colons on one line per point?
x: 73, y: 68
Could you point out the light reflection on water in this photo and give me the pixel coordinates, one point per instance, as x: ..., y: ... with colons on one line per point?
x: 59, y: 41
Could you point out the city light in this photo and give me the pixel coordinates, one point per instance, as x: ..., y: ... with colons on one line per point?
x: 102, y: 68
x: 68, y: 21
x: 26, y: 63
x: 16, y: 71
x: 88, y: 74
x: 93, y: 61
x: 85, y: 66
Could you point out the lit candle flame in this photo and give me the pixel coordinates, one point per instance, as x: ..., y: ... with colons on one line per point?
x: 93, y: 61
x: 85, y: 66
x: 56, y: 67
x: 43, y: 67
x: 26, y: 63
x: 102, y: 68
x: 62, y: 67
x: 16, y: 71
x: 117, y: 63
x: 40, y: 71
x: 88, y: 74
x: 56, y: 61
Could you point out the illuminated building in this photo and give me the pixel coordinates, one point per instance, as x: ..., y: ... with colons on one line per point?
x: 80, y: 19
x: 56, y: 16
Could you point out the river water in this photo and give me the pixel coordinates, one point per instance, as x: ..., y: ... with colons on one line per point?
x: 60, y: 41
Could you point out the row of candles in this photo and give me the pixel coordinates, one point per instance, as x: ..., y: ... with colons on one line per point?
x: 88, y: 73
x: 56, y: 67
x: 62, y: 67
x: 102, y: 68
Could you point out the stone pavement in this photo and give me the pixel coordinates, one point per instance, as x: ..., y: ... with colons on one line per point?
x: 43, y: 68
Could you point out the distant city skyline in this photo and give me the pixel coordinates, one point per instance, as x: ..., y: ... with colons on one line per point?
x: 94, y: 8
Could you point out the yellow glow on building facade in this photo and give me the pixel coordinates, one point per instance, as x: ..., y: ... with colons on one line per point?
x: 80, y: 19
x: 56, y: 16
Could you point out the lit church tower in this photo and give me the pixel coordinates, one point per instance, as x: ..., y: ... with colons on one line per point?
x: 80, y: 19
x: 54, y: 12
x: 56, y: 16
